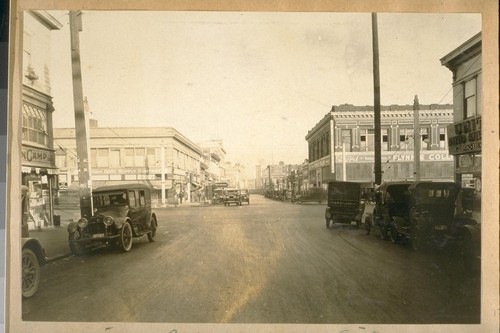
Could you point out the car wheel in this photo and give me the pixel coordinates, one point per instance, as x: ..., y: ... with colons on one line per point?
x: 383, y: 233
x: 76, y: 248
x: 30, y: 273
x: 327, y: 223
x: 126, y: 237
x: 368, y: 225
x: 358, y: 223
x: 393, y: 234
x: 152, y: 233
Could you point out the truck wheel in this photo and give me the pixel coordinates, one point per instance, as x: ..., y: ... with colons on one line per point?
x: 126, y: 237
x: 30, y: 273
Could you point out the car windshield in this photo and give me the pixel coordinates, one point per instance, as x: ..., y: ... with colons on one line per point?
x: 108, y: 199
x: 232, y: 192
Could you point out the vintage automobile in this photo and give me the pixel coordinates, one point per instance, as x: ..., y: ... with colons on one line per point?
x: 426, y: 215
x: 391, y: 199
x: 232, y: 196
x: 314, y: 194
x: 33, y: 253
x: 245, y: 196
x: 121, y: 212
x: 344, y: 203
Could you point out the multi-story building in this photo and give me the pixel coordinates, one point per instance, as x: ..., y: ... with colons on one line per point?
x: 235, y: 175
x: 277, y: 177
x: 135, y: 154
x: 213, y: 166
x: 37, y: 156
x: 464, y: 134
x: 342, y: 144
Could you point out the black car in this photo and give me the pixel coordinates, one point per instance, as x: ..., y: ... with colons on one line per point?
x: 245, y: 196
x: 232, y: 196
x: 121, y: 212
x: 344, y: 203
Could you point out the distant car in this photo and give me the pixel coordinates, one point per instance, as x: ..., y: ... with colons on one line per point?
x: 314, y: 194
x: 232, y: 197
x: 121, y: 213
x: 344, y: 203
x: 245, y: 196
x: 33, y: 258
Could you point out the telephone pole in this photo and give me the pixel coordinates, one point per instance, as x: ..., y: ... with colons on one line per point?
x: 416, y: 140
x: 75, y: 23
x: 376, y: 104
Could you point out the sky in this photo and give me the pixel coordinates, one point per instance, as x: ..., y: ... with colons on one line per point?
x: 258, y: 81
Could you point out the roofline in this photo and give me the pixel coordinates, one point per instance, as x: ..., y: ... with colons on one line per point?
x: 465, y: 51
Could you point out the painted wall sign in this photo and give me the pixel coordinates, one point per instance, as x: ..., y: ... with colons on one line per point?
x: 465, y: 136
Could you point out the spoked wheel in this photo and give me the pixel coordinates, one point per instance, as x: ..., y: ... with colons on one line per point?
x: 126, y: 237
x: 76, y: 248
x: 368, y: 225
x: 383, y: 233
x: 30, y: 273
x: 152, y: 233
x: 327, y: 223
x: 393, y: 234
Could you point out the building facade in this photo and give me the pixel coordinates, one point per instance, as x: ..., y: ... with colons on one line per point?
x: 38, y: 155
x: 464, y: 134
x: 161, y: 157
x: 342, y: 144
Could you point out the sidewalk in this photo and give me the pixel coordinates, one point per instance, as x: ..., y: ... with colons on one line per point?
x: 54, y: 239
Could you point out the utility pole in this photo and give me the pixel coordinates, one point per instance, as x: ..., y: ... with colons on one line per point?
x: 75, y: 23
x: 376, y: 104
x: 416, y: 140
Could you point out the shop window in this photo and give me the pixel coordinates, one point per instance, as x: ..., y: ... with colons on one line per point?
x: 470, y: 100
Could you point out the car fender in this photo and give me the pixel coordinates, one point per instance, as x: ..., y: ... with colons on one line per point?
x: 37, y: 248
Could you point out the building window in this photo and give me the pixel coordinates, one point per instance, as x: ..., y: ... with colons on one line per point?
x: 442, y: 138
x: 140, y: 159
x: 470, y: 101
x: 114, y: 158
x: 424, y: 138
x: 346, y: 139
x: 35, y: 125
x: 406, y: 139
x: 102, y: 158
x: 129, y: 157
x: 366, y: 140
x: 385, y: 141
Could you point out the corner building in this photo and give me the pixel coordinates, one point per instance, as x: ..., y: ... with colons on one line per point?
x: 342, y: 144
x: 464, y: 134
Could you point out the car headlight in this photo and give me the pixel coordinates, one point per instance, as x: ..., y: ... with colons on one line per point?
x: 82, y: 223
x: 108, y: 221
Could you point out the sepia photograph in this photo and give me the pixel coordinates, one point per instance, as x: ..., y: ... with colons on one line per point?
x: 252, y: 166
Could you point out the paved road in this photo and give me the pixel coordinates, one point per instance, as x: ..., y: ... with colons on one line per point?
x: 268, y: 262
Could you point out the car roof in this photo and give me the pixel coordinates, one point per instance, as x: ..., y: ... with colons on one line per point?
x: 132, y: 186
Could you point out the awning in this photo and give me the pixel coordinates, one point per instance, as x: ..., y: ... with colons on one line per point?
x: 25, y: 169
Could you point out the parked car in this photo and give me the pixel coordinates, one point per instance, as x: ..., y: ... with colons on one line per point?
x: 344, y: 203
x: 245, y: 196
x: 33, y: 253
x: 232, y: 196
x: 391, y: 199
x: 314, y: 194
x: 121, y: 212
x: 425, y: 215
